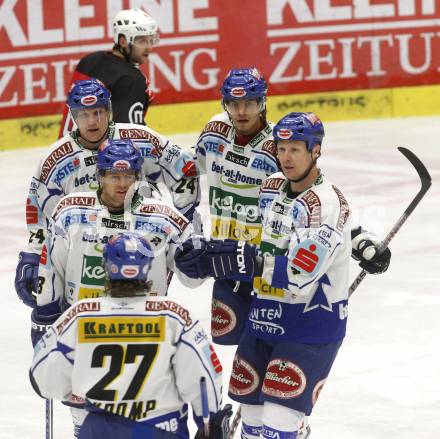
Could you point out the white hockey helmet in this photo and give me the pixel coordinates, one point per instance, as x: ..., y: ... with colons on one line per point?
x: 133, y: 23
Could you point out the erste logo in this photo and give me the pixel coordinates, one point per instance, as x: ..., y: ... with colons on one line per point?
x: 306, y: 259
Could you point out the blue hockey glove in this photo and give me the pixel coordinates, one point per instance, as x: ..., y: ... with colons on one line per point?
x: 228, y: 259
x: 40, y: 323
x: 189, y: 258
x: 233, y: 260
x: 218, y: 424
x: 364, y: 249
x: 26, y: 277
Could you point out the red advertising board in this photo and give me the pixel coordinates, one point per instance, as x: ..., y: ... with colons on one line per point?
x: 300, y: 46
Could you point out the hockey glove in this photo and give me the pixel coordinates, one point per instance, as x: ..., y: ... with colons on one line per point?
x: 40, y: 323
x: 218, y: 424
x: 364, y: 249
x: 228, y: 259
x: 26, y: 277
x: 189, y: 258
x: 233, y: 260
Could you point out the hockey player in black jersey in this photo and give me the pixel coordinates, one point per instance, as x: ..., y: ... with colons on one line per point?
x: 135, y: 34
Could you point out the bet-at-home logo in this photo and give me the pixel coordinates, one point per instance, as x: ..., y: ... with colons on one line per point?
x: 92, y: 271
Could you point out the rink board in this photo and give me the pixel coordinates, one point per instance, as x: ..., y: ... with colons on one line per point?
x: 191, y: 117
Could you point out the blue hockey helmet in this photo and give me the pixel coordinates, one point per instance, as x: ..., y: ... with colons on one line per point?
x: 127, y: 256
x: 300, y: 126
x: 89, y: 93
x: 244, y: 84
x: 119, y: 155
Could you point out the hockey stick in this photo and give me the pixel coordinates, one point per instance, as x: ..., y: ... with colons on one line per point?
x: 234, y: 423
x: 49, y: 419
x: 205, y: 406
x: 426, y: 182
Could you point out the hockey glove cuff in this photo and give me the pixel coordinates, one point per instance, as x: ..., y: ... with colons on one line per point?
x: 26, y: 277
x: 40, y: 323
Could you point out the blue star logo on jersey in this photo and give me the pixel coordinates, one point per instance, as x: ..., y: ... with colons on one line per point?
x: 319, y: 297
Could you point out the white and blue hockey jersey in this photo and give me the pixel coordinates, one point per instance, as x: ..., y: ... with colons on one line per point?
x: 235, y: 174
x: 302, y: 294
x: 137, y: 357
x: 71, y: 260
x: 68, y: 167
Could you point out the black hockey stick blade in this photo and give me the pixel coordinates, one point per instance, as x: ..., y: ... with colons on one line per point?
x: 426, y: 182
x: 425, y: 178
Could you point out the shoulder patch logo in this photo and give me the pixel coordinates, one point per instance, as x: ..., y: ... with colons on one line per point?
x: 74, y: 201
x: 269, y: 147
x: 217, y: 127
x: 344, y: 210
x: 273, y: 183
x: 53, y: 159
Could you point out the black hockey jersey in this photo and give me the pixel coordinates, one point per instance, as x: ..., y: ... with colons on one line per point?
x: 127, y: 84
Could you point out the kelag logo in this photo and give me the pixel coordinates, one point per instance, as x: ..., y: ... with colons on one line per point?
x: 227, y: 204
x: 92, y: 271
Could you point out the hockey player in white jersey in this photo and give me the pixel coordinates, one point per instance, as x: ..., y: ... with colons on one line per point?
x: 237, y: 151
x: 297, y: 317
x: 82, y: 223
x: 128, y: 356
x: 70, y: 165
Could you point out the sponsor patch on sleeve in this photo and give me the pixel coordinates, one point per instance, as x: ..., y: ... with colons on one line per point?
x: 273, y: 183
x: 308, y: 257
x: 217, y: 127
x: 344, y: 210
x: 53, y: 159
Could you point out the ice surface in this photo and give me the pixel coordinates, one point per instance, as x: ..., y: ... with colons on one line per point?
x: 385, y: 382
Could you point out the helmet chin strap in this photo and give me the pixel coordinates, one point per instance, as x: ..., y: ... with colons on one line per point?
x: 306, y: 173
x: 125, y: 53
